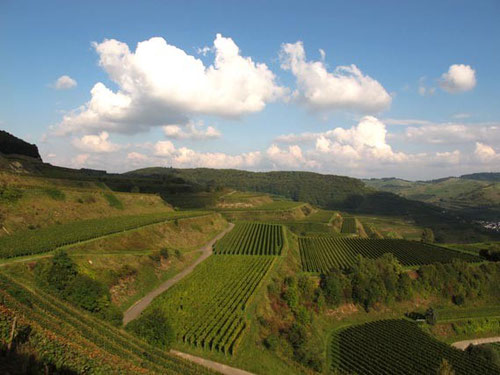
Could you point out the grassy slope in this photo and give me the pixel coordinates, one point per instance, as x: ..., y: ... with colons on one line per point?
x: 102, y: 259
x: 43, y: 202
x: 451, y: 193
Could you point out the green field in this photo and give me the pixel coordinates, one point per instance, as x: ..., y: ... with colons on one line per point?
x: 252, y: 239
x: 320, y: 254
x: 397, y: 347
x: 454, y: 314
x: 207, y: 309
x: 349, y: 225
x: 46, y: 239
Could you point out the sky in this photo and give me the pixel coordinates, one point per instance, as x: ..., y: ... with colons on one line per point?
x: 359, y: 88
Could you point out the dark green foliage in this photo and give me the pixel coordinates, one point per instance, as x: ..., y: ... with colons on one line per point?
x: 46, y: 239
x: 398, y: 347
x: 155, y: 328
x: 55, y: 194
x: 271, y: 342
x: 113, y: 201
x: 164, y: 253
x: 491, y: 255
x: 430, y: 316
x: 484, y: 353
x: 332, y: 288
x: 60, y: 277
x: 9, y: 194
x: 427, y: 235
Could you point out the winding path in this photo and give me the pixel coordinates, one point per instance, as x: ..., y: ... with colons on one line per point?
x: 219, y: 367
x: 135, y: 310
x: 464, y: 344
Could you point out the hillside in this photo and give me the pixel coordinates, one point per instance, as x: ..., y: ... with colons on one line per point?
x: 476, y: 196
x: 329, y: 192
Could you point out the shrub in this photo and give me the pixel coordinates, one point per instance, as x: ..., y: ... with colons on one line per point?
x: 155, y: 328
x: 164, y: 253
x: 271, y: 342
x: 55, y: 194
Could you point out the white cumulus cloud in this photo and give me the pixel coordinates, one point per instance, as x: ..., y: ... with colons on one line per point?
x: 344, y: 88
x: 95, y: 143
x: 161, y: 84
x: 485, y: 153
x: 459, y: 78
x: 64, y: 83
x: 191, y: 130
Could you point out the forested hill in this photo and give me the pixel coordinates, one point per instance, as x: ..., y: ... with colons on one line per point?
x: 485, y: 176
x: 10, y: 144
x: 323, y: 190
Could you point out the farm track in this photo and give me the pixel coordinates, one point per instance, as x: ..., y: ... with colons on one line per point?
x: 135, y: 310
x: 219, y: 367
x: 462, y: 345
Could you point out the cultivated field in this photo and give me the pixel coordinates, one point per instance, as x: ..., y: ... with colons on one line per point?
x: 46, y: 239
x: 252, y: 239
x: 207, y: 309
x: 320, y: 254
x: 349, y: 225
x: 397, y: 347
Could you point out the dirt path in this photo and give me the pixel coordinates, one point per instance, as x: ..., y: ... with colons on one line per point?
x: 464, y: 344
x: 219, y: 367
x: 135, y: 310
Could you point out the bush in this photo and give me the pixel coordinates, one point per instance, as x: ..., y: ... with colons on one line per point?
x: 164, y: 253
x: 9, y: 195
x: 271, y: 342
x: 178, y: 254
x: 155, y: 328
x: 484, y: 353
x: 55, y: 194
x: 87, y: 293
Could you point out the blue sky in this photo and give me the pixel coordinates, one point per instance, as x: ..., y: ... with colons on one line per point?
x: 424, y: 104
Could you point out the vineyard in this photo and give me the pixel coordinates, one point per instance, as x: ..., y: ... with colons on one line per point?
x: 397, y: 347
x: 207, y: 309
x: 46, y: 239
x: 320, y: 254
x: 73, y: 342
x: 349, y: 225
x: 252, y: 239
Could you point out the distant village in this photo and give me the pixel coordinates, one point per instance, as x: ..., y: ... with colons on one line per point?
x: 490, y: 225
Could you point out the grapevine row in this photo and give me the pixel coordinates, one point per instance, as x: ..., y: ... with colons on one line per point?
x: 62, y: 334
x: 252, y: 239
x: 320, y: 254
x: 349, y: 225
x: 208, y: 307
x: 397, y: 347
x: 46, y: 239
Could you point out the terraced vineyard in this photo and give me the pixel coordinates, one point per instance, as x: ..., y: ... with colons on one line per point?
x: 320, y: 254
x: 207, y: 308
x: 46, y: 239
x: 397, y: 347
x: 349, y: 225
x: 252, y: 239
x: 67, y: 340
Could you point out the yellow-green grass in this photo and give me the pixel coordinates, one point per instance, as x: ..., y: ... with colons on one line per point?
x: 42, y: 202
x: 393, y: 227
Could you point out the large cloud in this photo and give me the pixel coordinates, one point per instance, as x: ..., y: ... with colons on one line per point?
x: 95, y: 143
x: 161, y: 84
x: 344, y: 88
x: 485, y: 153
x: 459, y: 78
